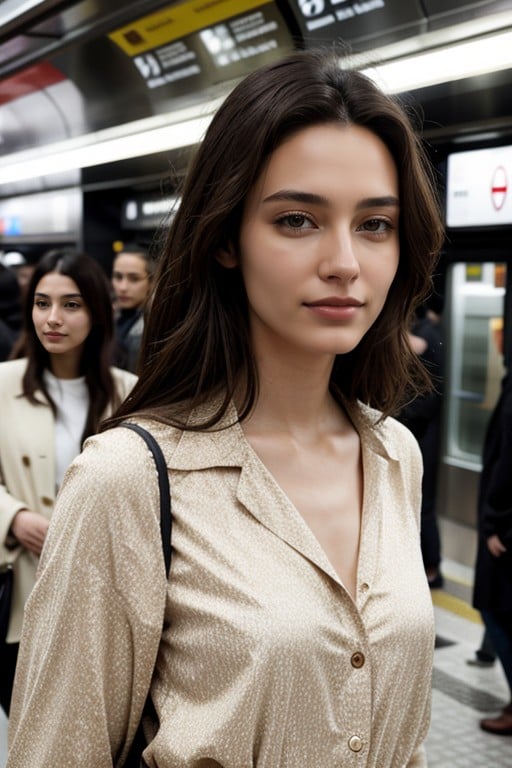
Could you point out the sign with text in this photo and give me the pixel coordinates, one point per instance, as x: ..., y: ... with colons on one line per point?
x: 148, y: 212
x: 201, y: 42
x: 479, y: 189
x: 322, y: 20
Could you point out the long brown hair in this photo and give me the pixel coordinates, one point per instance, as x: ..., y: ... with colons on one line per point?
x: 197, y: 340
x: 95, y: 361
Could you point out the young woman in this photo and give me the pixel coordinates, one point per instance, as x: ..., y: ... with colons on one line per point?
x: 296, y: 628
x: 131, y: 280
x: 50, y: 401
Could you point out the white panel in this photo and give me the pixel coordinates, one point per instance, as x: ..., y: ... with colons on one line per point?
x: 479, y: 188
x: 48, y: 213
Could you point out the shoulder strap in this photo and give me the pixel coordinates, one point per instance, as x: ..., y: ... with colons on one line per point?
x: 164, y: 488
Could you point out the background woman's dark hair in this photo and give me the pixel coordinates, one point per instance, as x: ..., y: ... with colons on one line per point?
x: 95, y: 362
x: 197, y: 335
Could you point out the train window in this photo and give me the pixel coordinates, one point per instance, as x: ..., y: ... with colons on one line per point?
x: 474, y: 360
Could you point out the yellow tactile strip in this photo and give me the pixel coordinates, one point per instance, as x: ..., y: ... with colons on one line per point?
x: 443, y: 599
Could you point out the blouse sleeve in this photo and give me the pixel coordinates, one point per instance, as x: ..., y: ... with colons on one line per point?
x: 94, y: 619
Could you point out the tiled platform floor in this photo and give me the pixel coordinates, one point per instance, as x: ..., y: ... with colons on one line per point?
x: 461, y: 694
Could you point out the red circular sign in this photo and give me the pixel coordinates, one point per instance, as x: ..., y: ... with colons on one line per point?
x: 499, y: 187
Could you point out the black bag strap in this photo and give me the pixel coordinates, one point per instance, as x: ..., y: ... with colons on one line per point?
x: 164, y: 488
x: 134, y: 758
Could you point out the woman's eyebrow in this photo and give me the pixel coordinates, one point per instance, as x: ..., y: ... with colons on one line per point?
x: 386, y: 201
x: 297, y: 196
x: 64, y: 295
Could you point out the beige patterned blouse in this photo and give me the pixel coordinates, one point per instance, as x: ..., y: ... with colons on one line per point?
x: 264, y: 659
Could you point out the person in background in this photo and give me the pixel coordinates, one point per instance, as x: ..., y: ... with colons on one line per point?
x: 485, y: 655
x: 492, y: 592
x: 17, y: 262
x: 297, y: 625
x: 10, y: 311
x: 131, y: 281
x: 50, y: 401
x: 423, y: 416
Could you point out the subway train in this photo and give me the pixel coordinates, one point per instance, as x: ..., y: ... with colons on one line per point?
x: 102, y: 102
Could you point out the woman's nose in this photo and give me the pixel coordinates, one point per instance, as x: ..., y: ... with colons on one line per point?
x: 54, y: 318
x: 339, y: 259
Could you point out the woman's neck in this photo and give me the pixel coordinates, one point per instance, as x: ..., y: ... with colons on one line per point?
x: 295, y: 400
x: 65, y: 366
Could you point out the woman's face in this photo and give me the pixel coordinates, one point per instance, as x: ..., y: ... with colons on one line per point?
x: 61, y: 318
x: 130, y: 280
x: 319, y: 241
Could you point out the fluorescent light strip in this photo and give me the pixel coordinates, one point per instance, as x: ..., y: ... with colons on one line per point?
x: 454, y: 62
x: 138, y: 139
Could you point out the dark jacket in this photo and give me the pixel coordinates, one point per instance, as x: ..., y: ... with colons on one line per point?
x: 10, y: 311
x: 493, y: 575
x: 129, y: 332
x: 426, y: 408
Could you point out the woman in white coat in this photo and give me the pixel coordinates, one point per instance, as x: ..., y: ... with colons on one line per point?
x: 50, y: 401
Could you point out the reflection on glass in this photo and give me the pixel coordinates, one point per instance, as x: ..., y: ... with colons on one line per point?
x: 475, y: 362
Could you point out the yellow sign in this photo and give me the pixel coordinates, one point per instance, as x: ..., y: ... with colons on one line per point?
x: 473, y: 272
x: 177, y: 21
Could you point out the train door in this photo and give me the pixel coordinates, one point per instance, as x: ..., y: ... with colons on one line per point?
x: 474, y: 333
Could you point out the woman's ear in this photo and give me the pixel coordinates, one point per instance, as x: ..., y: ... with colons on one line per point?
x: 227, y: 256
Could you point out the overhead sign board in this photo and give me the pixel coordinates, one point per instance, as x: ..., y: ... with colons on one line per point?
x: 322, y: 20
x: 201, y: 42
x: 479, y: 188
x: 177, y: 21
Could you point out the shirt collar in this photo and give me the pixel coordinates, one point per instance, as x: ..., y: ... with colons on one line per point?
x: 225, y: 445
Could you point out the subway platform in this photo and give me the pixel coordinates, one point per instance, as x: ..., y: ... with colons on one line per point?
x: 462, y: 694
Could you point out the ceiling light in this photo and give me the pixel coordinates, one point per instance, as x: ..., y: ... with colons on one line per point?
x: 453, y: 62
x: 137, y: 139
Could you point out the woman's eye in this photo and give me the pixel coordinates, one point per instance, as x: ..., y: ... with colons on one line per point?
x: 377, y: 225
x: 40, y: 304
x: 296, y: 221
x: 73, y: 305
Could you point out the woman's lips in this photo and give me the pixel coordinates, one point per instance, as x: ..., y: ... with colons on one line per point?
x: 335, y: 308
